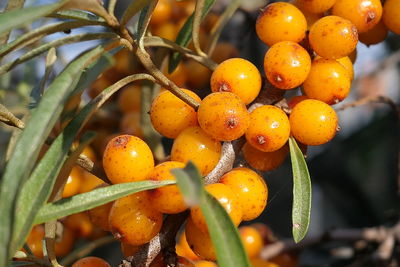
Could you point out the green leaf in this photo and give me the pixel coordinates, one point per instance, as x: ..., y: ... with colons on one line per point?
x: 15, y: 18
x: 224, y: 235
x: 29, y: 143
x: 21, y: 263
x: 185, y: 35
x: 133, y: 8
x: 301, y: 192
x: 78, y: 15
x: 92, y: 199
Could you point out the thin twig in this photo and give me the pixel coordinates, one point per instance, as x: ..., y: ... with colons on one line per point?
x: 373, y: 99
x: 8, y: 118
x: 111, y: 7
x: 11, y: 5
x: 146, y: 22
x: 196, y: 27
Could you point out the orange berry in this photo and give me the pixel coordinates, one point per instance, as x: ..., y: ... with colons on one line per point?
x: 89, y: 182
x: 64, y: 246
x: 127, y: 158
x: 129, y: 98
x: 313, y: 122
x: 348, y: 65
x: 130, y: 124
x: 179, y: 76
x: 128, y: 250
x: 315, y: 6
x: 391, y: 15
x: 170, y: 115
x: 333, y: 37
x: 224, y: 51
x: 80, y: 223
x: 91, y: 262
x: 167, y: 30
x: 258, y: 262
x: 99, y: 215
x: 250, y: 189
x: 74, y: 181
x: 251, y: 240
x: 166, y: 199
x: 364, y: 14
x: 134, y: 220
x: 162, y: 12
x: 124, y: 60
x: 311, y: 18
x: 269, y: 128
x: 264, y: 161
x: 285, y: 259
x: 223, y: 116
x: 286, y: 65
x: 34, y: 240
x: 198, y: 76
x: 195, y: 145
x: 238, y: 76
x: 182, y: 248
x: 227, y: 198
x: 328, y: 81
x: 89, y: 153
x: 375, y: 35
x: 292, y: 102
x: 205, y: 264
x: 199, y: 241
x: 281, y: 22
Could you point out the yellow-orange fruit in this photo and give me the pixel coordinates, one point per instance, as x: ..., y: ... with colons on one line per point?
x: 34, y: 240
x: 251, y: 240
x: 198, y: 76
x: 133, y: 219
x: 99, y: 215
x: 249, y: 188
x: 227, y: 198
x: 127, y: 158
x: 64, y: 246
x: 311, y: 17
x: 129, y: 250
x: 195, y: 145
x: 328, y: 81
x: 224, y: 51
x: 74, y: 181
x: 182, y: 248
x: 364, y: 14
x: 258, y: 262
x: 238, y: 76
x: 199, y: 241
x: 80, y: 223
x: 279, y: 22
x: 170, y: 115
x: 375, y: 35
x: 130, y: 124
x: 391, y: 15
x: 167, y: 30
x: 205, y: 264
x: 269, y: 128
x: 179, y: 76
x: 292, y: 102
x: 91, y: 262
x: 313, y: 122
x: 89, y: 182
x: 264, y: 161
x: 166, y: 199
x: 223, y: 116
x: 89, y: 153
x: 129, y: 98
x: 348, y: 65
x: 161, y: 13
x: 286, y: 65
x: 333, y: 37
x: 315, y: 6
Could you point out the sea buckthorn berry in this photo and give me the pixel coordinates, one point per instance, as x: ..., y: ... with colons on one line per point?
x: 250, y: 189
x: 292, y: 102
x: 199, y: 241
x: 281, y: 22
x: 348, y: 65
x: 99, y: 215
x: 89, y: 153
x: 73, y: 184
x: 161, y: 13
x: 266, y: 233
x: 179, y: 76
x: 314, y: 6
x: 134, y: 220
x: 224, y: 51
x: 311, y: 18
x: 375, y: 35
x: 264, y: 161
x: 34, y: 240
x: 129, y: 98
x: 166, y: 199
x: 205, y: 264
x: 167, y: 30
x: 127, y: 158
x: 182, y: 248
x: 80, y: 223
x: 91, y: 262
x: 238, y: 76
x: 258, y: 262
x: 64, y: 245
x: 128, y: 250
x: 364, y: 14
x: 333, y: 37
x: 195, y: 145
x: 286, y: 65
x: 130, y: 124
x: 391, y: 15
x: 328, y: 81
x: 269, y: 128
x: 170, y: 115
x: 198, y: 76
x: 252, y: 240
x: 227, y: 198
x: 313, y: 122
x: 223, y: 116
x: 89, y: 182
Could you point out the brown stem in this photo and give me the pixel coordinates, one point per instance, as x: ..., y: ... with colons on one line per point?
x: 8, y: 118
x: 196, y: 27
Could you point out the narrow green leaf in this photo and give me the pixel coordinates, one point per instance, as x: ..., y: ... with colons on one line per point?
x: 29, y: 142
x: 133, y: 8
x: 92, y: 199
x: 78, y: 15
x: 301, y: 192
x: 185, y: 35
x: 21, y: 263
x: 224, y: 235
x: 15, y: 18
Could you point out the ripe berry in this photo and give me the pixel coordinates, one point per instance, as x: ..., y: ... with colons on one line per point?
x: 292, y: 102
x: 251, y: 240
x: 73, y: 184
x: 281, y: 22
x: 99, y: 215
x: 199, y: 241
x: 162, y: 12
x: 127, y: 158
x: 364, y: 14
x: 166, y: 199
x: 223, y: 116
x: 227, y: 198
x: 333, y: 37
x: 205, y: 264
x: 269, y: 128
x: 79, y: 223
x: 89, y: 182
x: 258, y: 262
x: 264, y: 161
x: 129, y: 98
x: 250, y: 189
x: 195, y: 145
x: 198, y: 76
x: 375, y: 35
x: 238, y: 76
x: 348, y: 65
x: 167, y: 30
x: 182, y: 248
x: 328, y: 81
x: 224, y: 51
x: 91, y: 262
x: 134, y: 220
x: 170, y: 115
x: 391, y: 15
x: 315, y: 6
x: 179, y: 76
x: 286, y: 65
x: 313, y: 122
x: 65, y: 244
